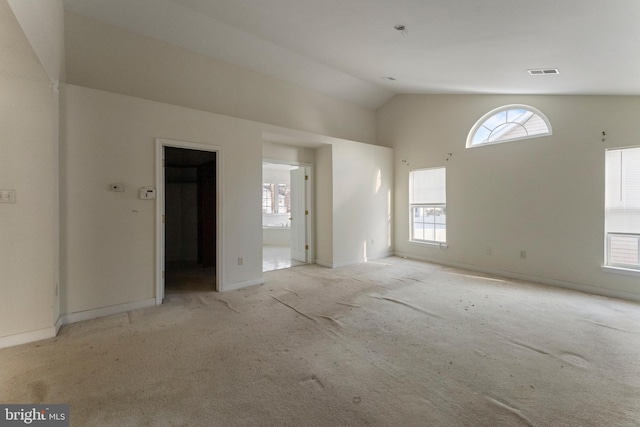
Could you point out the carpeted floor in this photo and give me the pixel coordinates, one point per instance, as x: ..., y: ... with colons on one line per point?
x: 388, y: 343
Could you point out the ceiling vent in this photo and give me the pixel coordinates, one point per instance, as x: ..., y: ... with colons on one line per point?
x: 543, y: 71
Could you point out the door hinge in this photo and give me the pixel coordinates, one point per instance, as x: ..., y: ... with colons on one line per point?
x: 306, y: 212
x: 306, y: 247
x: 163, y: 219
x: 162, y: 162
x: 163, y: 274
x: 306, y: 177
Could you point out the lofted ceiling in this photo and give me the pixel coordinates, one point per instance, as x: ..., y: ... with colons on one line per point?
x: 347, y: 48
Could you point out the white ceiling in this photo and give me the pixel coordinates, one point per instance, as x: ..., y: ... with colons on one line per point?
x: 344, y: 48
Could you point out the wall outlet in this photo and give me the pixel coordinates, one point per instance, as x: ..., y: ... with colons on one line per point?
x: 7, y: 196
x: 240, y: 261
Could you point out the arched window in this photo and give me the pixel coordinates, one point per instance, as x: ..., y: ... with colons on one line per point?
x: 508, y: 123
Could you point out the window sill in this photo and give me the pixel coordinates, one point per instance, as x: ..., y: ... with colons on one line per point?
x: 441, y: 246
x: 620, y: 270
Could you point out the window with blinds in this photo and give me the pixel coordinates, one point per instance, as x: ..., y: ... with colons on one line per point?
x: 622, y: 208
x: 428, y: 205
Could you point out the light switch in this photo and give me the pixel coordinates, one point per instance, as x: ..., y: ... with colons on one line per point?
x: 147, y: 193
x: 7, y: 196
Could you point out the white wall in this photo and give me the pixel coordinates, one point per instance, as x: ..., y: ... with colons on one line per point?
x: 108, y: 240
x: 323, y: 203
x: 105, y: 57
x: 106, y: 247
x: 42, y: 21
x: 276, y: 236
x: 544, y: 196
x: 28, y: 165
x: 275, y: 176
x: 108, y: 250
x: 286, y: 153
x: 362, y: 184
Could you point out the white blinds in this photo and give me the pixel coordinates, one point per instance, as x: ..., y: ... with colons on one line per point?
x: 427, y: 186
x: 622, y: 197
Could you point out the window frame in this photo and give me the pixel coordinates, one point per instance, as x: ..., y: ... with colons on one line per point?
x: 412, y: 208
x: 608, y: 257
x: 271, y: 202
x: 436, y: 205
x: 498, y: 110
x: 617, y: 230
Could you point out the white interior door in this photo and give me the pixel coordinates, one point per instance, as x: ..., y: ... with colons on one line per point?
x: 298, y: 216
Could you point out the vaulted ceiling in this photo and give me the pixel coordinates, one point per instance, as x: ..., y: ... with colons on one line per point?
x: 349, y: 48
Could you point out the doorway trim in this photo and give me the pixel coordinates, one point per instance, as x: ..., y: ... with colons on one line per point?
x: 160, y: 206
x: 309, y: 206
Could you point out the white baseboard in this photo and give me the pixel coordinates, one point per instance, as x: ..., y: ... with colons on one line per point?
x: 52, y: 332
x: 589, y: 289
x: 323, y: 263
x: 106, y: 311
x: 359, y: 260
x: 348, y: 263
x: 239, y: 285
x: 27, y: 337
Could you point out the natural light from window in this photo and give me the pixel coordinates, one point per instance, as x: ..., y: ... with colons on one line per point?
x: 622, y: 208
x: 276, y: 195
x: 428, y: 205
x: 508, y: 123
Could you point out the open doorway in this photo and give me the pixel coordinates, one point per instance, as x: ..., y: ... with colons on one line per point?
x: 189, y: 219
x: 285, y: 215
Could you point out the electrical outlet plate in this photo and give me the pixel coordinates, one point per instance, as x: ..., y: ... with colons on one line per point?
x: 147, y: 193
x: 7, y: 196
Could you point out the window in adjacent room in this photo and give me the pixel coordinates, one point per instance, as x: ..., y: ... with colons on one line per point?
x: 622, y: 208
x: 276, y: 198
x: 428, y: 205
x: 508, y: 123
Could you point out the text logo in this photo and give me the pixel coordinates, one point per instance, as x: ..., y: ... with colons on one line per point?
x: 34, y: 415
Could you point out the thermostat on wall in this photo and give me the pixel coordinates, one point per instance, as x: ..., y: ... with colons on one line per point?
x: 147, y: 193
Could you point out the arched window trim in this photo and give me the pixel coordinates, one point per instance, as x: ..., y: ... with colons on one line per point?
x: 495, y: 111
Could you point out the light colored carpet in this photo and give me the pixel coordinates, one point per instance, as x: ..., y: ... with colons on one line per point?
x: 388, y: 343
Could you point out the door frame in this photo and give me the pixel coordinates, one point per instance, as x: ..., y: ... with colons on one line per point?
x: 308, y: 190
x: 160, y: 209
